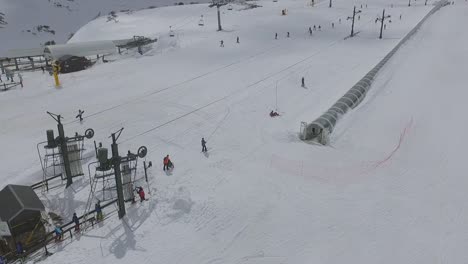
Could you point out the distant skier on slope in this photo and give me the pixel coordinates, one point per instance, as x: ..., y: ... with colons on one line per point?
x: 203, y: 143
x: 273, y: 113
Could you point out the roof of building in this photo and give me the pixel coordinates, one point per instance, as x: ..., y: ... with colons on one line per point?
x: 16, y: 198
x: 80, y: 49
x: 23, y: 53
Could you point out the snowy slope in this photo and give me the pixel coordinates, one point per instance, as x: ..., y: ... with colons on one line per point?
x: 63, y: 16
x: 260, y: 195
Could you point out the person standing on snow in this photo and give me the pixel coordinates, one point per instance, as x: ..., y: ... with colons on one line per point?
x: 276, y: 35
x: 98, y: 209
x: 237, y: 40
x: 77, y: 222
x: 203, y: 143
x: 221, y: 43
x: 58, y: 233
x: 303, y: 82
x: 167, y: 163
x: 141, y: 193
x: 310, y: 31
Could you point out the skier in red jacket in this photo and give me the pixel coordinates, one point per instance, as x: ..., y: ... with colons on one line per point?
x: 141, y: 193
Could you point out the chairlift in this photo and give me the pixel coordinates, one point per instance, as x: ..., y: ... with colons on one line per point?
x: 171, y: 32
x: 229, y: 7
x: 201, y: 22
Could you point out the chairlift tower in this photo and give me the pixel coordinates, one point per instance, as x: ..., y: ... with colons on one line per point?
x: 62, y: 156
x: 218, y: 4
x: 353, y: 17
x: 122, y: 168
x: 382, y: 21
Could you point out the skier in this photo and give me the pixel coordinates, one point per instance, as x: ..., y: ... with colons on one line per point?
x: 320, y: 28
x: 333, y: 25
x: 288, y: 34
x: 77, y: 222
x: 58, y: 233
x: 400, y: 16
x: 221, y: 43
x: 80, y: 115
x: 302, y: 82
x: 167, y: 163
x: 203, y: 143
x: 315, y: 28
x: 276, y: 35
x: 141, y: 193
x: 98, y: 209
x: 273, y: 113
x: 237, y: 40
x: 310, y: 31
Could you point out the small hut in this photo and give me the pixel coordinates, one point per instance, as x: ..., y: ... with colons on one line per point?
x: 21, y: 209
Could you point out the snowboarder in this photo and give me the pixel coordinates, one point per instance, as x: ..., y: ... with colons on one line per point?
x: 273, y: 113
x: 221, y: 43
x: 276, y: 35
x: 141, y: 193
x: 302, y: 82
x: 58, y: 233
x: 310, y: 31
x: 203, y: 143
x: 237, y: 41
x: 80, y: 115
x: 77, y: 222
x: 98, y: 209
x: 287, y: 34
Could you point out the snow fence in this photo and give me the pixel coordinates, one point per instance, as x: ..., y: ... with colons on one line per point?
x: 324, y: 125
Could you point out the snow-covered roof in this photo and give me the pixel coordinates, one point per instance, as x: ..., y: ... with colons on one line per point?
x: 23, y: 53
x: 80, y: 49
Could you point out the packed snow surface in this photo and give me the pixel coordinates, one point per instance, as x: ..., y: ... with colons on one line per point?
x: 389, y: 189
